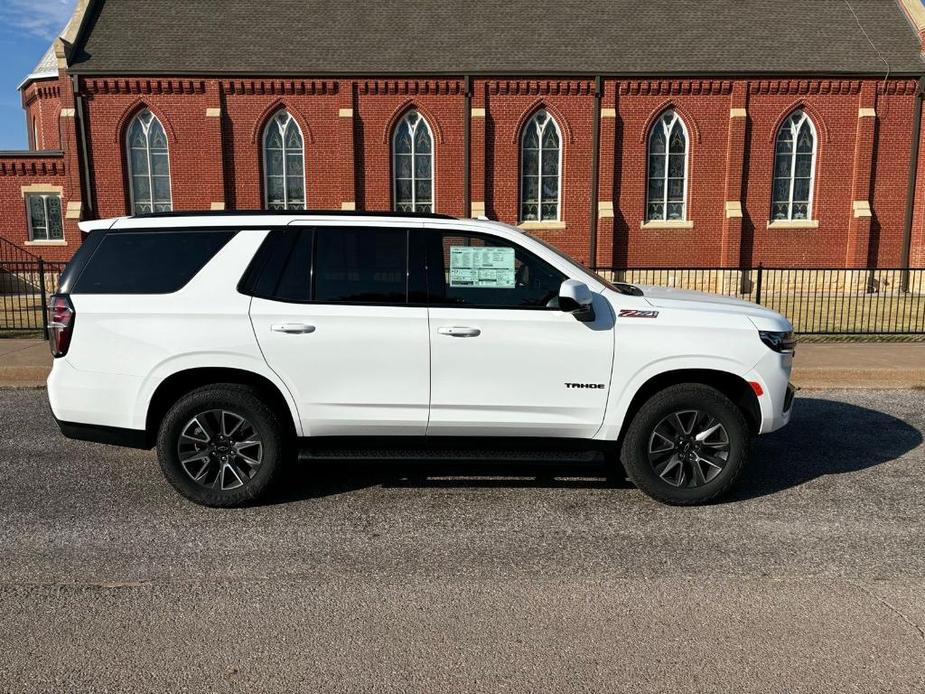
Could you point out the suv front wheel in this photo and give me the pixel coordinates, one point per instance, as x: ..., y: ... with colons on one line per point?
x: 686, y: 445
x: 221, y: 445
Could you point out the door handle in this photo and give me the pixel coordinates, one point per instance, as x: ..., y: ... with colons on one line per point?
x: 460, y: 332
x: 292, y: 328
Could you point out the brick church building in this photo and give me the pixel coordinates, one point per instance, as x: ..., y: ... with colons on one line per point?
x: 717, y: 133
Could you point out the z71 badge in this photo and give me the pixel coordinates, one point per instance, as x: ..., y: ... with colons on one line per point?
x: 632, y: 313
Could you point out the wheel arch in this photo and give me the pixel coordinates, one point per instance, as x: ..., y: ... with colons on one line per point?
x: 179, y: 383
x: 729, y: 384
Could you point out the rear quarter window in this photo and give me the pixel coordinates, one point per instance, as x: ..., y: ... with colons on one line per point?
x: 148, y: 262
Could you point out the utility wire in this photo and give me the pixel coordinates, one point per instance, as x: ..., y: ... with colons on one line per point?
x: 870, y: 41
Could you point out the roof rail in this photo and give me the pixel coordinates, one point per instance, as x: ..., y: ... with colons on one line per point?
x: 292, y: 213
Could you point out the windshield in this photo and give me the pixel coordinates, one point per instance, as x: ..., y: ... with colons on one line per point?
x: 621, y: 287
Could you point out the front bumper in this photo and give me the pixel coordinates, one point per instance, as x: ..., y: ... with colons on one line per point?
x: 776, y: 402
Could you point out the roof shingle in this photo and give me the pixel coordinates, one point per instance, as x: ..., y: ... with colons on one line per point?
x: 511, y: 37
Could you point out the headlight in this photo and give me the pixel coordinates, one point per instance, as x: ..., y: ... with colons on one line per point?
x: 782, y: 342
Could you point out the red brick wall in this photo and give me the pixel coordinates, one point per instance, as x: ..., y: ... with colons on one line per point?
x: 347, y: 124
x: 378, y: 107
x: 181, y: 107
x: 248, y: 105
x: 42, y: 102
x: 917, y: 256
x: 893, y: 138
x: 509, y: 105
x: 704, y: 107
x: 25, y: 170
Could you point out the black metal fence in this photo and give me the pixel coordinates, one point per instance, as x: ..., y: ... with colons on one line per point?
x: 872, y: 301
x: 881, y: 301
x: 24, y: 289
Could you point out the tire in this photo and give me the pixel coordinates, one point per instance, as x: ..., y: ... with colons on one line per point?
x: 679, y: 431
x: 217, y: 433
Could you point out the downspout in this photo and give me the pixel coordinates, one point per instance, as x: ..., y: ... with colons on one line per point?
x: 595, y: 170
x: 467, y: 145
x: 910, y: 188
x: 81, y: 132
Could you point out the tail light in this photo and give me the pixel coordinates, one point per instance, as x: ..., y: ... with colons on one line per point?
x: 61, y: 316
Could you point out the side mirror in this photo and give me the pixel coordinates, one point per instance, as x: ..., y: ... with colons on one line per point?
x: 575, y: 297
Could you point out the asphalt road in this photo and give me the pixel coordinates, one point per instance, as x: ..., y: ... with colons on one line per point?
x: 452, y: 578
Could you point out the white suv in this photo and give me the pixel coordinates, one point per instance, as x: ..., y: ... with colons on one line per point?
x: 232, y: 341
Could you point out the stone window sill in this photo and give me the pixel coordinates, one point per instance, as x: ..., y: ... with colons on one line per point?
x: 541, y: 226
x: 793, y: 224
x: 54, y: 242
x: 667, y: 224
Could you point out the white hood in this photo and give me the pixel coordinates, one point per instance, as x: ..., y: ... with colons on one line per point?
x: 668, y: 297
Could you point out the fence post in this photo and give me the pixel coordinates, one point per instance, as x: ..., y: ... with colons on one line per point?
x: 44, y: 297
x: 758, y: 284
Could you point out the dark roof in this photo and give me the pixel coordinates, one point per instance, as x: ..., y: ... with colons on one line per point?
x: 501, y: 37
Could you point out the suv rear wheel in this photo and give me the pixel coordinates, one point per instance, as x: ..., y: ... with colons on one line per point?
x: 221, y: 445
x: 686, y: 445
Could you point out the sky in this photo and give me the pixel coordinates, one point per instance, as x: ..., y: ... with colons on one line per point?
x: 27, y: 28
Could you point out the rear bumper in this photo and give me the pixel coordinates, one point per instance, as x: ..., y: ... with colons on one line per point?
x: 113, y: 436
x: 82, y: 401
x: 89, y: 397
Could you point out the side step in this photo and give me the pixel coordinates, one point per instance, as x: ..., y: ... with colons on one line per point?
x: 474, y: 449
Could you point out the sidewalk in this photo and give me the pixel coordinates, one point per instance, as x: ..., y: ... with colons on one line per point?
x: 25, y: 364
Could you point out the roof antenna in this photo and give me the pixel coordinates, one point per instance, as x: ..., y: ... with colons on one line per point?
x: 872, y: 45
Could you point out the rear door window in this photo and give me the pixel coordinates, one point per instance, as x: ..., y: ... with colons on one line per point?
x: 334, y: 265
x: 148, y: 262
x: 360, y: 265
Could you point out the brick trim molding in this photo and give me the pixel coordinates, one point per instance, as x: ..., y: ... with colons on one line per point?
x: 822, y: 129
x: 861, y: 208
x: 542, y: 104
x: 147, y: 87
x: 409, y: 87
x: 271, y: 110
x: 137, y: 107
x: 692, y: 127
x: 399, y: 113
x: 40, y: 188
x: 806, y: 86
x: 287, y: 87
x: 541, y: 87
x: 675, y: 87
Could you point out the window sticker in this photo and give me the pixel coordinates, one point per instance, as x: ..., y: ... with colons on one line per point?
x: 481, y: 267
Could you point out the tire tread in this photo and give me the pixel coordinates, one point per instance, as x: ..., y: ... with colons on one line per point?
x: 636, y: 441
x: 222, y: 394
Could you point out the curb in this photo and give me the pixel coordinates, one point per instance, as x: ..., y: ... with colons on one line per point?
x: 23, y: 377
x: 859, y: 379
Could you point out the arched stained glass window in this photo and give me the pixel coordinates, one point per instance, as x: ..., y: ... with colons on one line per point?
x: 413, y: 164
x: 149, y: 165
x: 666, y: 198
x: 540, y: 165
x: 283, y: 163
x: 794, y: 168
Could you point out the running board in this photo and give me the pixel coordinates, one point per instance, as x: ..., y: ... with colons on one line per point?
x: 480, y: 449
